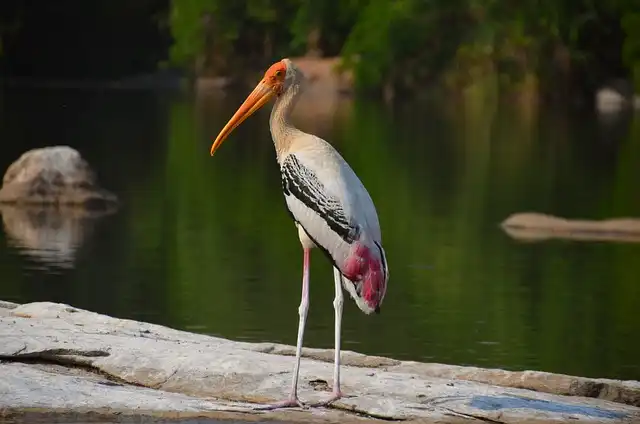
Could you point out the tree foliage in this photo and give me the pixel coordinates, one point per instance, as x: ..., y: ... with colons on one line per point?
x: 404, y: 43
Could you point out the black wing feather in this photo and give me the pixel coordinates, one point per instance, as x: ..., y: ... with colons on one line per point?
x: 302, y: 183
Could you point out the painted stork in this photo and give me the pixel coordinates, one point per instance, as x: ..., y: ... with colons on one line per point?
x: 331, y: 209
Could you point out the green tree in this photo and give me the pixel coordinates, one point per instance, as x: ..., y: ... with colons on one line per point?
x: 405, y: 44
x: 208, y: 34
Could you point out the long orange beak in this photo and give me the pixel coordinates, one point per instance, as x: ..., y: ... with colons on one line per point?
x: 258, y: 98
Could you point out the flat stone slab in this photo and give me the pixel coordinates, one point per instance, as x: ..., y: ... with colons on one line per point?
x: 55, y: 358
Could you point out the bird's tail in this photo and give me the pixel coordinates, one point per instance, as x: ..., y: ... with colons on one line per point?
x: 367, y: 274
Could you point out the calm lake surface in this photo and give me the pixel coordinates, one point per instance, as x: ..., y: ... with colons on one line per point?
x: 205, y: 244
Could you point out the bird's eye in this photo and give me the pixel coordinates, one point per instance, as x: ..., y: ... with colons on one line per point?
x: 278, y: 73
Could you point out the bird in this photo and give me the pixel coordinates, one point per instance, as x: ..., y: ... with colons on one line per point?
x: 330, y: 207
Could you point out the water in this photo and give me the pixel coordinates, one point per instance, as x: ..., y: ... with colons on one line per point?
x: 205, y: 244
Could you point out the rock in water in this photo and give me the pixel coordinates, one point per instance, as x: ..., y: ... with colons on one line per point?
x: 53, y: 175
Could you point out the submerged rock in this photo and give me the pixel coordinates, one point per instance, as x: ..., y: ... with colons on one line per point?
x: 57, y: 359
x: 533, y: 226
x: 55, y: 175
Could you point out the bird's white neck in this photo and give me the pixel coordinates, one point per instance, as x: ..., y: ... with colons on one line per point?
x: 282, y: 131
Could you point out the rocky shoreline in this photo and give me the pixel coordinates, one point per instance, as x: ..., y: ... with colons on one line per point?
x: 60, y: 361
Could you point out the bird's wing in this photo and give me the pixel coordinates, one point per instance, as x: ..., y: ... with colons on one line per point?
x: 316, y: 203
x: 328, y: 200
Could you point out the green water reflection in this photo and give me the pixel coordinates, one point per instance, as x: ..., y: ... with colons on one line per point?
x: 205, y: 244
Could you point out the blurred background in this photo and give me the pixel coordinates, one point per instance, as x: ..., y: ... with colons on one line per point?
x: 454, y: 115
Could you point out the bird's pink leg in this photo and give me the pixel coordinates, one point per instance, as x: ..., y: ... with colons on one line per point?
x: 292, y: 400
x: 338, y: 302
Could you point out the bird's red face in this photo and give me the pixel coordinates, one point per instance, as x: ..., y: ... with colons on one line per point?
x: 274, y: 77
x: 271, y: 85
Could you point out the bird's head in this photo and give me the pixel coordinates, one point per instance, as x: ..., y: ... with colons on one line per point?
x: 275, y: 82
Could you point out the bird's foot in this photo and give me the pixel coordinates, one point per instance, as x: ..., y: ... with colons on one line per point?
x: 337, y: 394
x: 291, y: 402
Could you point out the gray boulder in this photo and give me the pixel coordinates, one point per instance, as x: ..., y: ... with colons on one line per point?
x: 56, y: 175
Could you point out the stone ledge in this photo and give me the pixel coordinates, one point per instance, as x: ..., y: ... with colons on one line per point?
x: 60, y: 360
